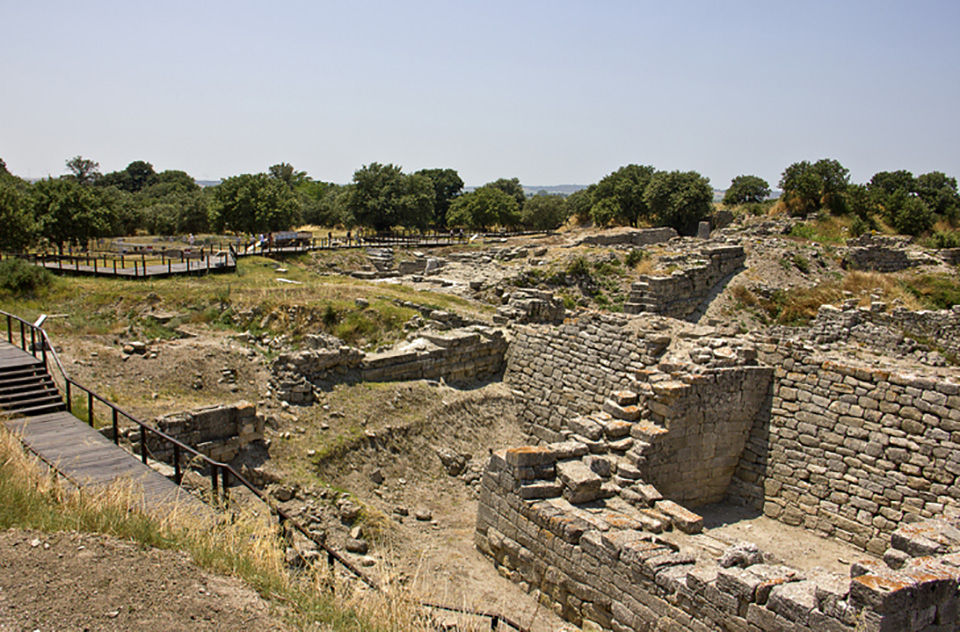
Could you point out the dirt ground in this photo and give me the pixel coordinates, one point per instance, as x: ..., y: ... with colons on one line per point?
x: 83, y: 582
x: 377, y: 446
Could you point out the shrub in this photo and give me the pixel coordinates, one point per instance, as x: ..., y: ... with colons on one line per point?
x: 634, y: 257
x: 578, y: 267
x: 17, y: 277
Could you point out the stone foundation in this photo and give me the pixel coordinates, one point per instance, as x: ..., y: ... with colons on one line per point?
x: 219, y: 432
x: 681, y: 293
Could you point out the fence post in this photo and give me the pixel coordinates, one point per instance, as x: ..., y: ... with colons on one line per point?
x: 177, y: 476
x: 116, y: 428
x: 143, y: 444
x: 90, y: 408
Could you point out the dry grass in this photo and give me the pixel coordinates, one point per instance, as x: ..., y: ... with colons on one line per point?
x: 247, y: 546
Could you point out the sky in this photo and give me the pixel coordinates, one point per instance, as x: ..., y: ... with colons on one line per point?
x: 551, y: 92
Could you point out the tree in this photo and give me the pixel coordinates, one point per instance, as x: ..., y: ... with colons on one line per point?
x: 253, y: 203
x: 83, y: 170
x: 579, y: 203
x: 679, y: 199
x: 544, y: 212
x: 746, y: 189
x: 68, y: 212
x: 625, y: 189
x: 939, y: 192
x: 808, y: 187
x: 3, y: 167
x: 908, y: 214
x: 483, y: 208
x: 383, y: 197
x: 285, y: 173
x: 511, y: 187
x: 16, y: 217
x: 447, y: 185
x: 135, y: 177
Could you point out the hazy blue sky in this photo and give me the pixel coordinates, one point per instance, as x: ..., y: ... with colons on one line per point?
x: 551, y: 92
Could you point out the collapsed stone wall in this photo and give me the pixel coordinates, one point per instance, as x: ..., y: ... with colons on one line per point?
x: 599, y: 566
x: 629, y: 237
x: 850, y: 451
x: 883, y: 253
x: 458, y: 355
x: 682, y: 293
x: 219, y: 432
x: 569, y: 370
x: 885, y: 331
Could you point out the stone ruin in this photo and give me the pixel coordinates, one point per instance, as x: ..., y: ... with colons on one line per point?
x: 640, y: 421
x: 884, y: 253
x: 683, y: 291
x: 219, y: 432
x: 457, y: 355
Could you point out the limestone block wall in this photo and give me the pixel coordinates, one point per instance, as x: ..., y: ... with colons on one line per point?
x: 630, y: 237
x: 457, y: 355
x: 681, y: 293
x: 851, y: 452
x: 701, y: 425
x: 569, y: 370
x: 601, y: 569
x: 219, y: 432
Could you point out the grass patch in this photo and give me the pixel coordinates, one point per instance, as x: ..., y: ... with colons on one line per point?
x: 247, y: 546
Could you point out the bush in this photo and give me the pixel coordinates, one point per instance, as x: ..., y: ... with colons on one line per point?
x: 945, y: 239
x: 18, y: 277
x: 634, y: 257
x: 578, y: 267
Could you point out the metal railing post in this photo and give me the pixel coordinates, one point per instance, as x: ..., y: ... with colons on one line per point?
x: 116, y: 427
x: 177, y: 476
x: 90, y: 408
x: 143, y: 444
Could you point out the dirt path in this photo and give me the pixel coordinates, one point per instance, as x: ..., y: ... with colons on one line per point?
x: 72, y: 581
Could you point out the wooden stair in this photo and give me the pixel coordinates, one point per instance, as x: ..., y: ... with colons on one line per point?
x: 26, y: 388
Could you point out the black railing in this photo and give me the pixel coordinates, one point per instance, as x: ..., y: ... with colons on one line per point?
x: 221, y: 474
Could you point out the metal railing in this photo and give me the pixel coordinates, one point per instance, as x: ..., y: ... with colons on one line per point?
x: 221, y: 474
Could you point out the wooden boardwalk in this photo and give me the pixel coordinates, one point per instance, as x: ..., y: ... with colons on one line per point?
x: 84, y: 456
x: 134, y: 269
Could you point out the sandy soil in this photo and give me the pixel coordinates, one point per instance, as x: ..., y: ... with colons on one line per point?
x: 71, y: 581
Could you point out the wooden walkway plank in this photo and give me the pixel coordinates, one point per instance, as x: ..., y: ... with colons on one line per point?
x: 86, y: 457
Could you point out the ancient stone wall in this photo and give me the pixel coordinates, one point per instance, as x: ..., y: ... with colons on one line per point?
x: 701, y: 426
x: 629, y: 237
x: 849, y: 451
x: 601, y: 568
x: 457, y: 355
x: 681, y: 293
x: 569, y: 370
x: 219, y: 432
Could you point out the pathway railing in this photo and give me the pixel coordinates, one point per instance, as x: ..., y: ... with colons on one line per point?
x: 221, y: 474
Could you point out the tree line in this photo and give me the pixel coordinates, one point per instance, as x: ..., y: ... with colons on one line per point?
x: 84, y: 203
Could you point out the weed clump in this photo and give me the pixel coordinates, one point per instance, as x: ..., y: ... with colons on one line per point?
x: 19, y: 278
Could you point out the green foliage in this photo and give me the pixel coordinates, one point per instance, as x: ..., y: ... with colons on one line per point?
x: 16, y: 217
x: 621, y: 195
x: 936, y: 291
x: 605, y: 212
x: 944, y: 239
x: 512, y: 187
x: 544, y: 212
x: 68, y: 212
x: 138, y: 175
x: 383, y: 197
x: 635, y: 256
x: 810, y: 187
x: 83, y: 170
x: 254, y: 203
x: 939, y: 193
x: 579, y: 203
x: 746, y: 189
x: 447, y: 185
x: 285, y: 173
x: 578, y: 267
x: 908, y: 214
x: 20, y: 278
x: 679, y: 199
x: 483, y: 208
